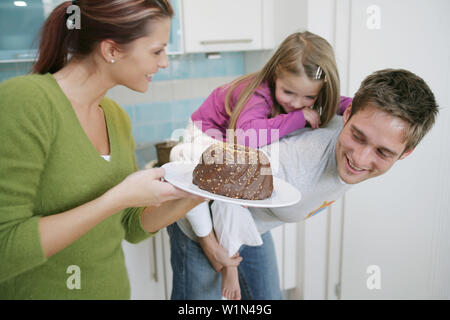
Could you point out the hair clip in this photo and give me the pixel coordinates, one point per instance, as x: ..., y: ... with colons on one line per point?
x: 318, y: 73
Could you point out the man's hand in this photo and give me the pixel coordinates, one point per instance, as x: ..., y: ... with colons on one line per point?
x: 217, y: 255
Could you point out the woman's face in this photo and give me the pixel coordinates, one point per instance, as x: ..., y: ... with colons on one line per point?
x: 296, y: 92
x: 143, y: 57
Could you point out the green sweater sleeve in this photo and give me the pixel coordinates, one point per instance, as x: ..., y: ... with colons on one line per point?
x: 27, y: 131
x: 134, y: 231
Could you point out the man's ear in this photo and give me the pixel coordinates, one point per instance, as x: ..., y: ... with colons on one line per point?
x: 405, y: 154
x: 346, y: 114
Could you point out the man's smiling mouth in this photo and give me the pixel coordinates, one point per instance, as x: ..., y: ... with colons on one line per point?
x: 354, y: 167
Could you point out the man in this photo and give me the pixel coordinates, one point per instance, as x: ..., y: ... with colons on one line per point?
x: 390, y: 114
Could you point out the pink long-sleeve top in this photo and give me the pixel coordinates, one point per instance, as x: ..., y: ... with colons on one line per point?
x: 255, y: 127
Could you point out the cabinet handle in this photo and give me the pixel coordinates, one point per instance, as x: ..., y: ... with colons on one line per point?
x: 211, y: 42
x: 155, y: 261
x: 24, y: 55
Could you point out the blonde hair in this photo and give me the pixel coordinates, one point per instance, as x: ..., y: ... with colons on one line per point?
x: 301, y: 53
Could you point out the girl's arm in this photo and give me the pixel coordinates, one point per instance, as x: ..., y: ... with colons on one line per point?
x: 255, y: 129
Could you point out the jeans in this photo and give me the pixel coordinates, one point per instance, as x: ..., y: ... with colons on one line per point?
x: 195, y: 279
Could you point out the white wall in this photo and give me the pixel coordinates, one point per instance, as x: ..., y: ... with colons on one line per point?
x: 399, y: 221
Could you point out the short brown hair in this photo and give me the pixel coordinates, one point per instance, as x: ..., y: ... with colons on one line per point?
x: 404, y: 95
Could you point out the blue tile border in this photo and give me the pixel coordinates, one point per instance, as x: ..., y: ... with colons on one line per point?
x: 192, y: 66
x: 188, y: 66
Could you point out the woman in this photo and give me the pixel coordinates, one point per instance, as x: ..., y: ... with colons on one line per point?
x: 68, y: 194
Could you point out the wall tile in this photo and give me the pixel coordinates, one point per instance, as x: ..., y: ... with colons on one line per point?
x: 163, y: 130
x: 153, y: 113
x: 144, y: 133
x: 182, y: 110
x: 192, y: 66
x: 10, y: 70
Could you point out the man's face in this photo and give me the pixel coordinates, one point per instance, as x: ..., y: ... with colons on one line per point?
x: 369, y: 144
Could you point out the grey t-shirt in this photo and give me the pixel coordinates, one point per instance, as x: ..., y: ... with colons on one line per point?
x: 307, y: 160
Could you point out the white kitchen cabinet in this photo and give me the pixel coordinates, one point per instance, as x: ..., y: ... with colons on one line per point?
x: 388, y: 237
x: 218, y: 25
x: 148, y: 267
x: 280, y: 19
x: 286, y: 246
x: 396, y: 226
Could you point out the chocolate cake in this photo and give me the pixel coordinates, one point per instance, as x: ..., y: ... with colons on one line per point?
x: 234, y: 171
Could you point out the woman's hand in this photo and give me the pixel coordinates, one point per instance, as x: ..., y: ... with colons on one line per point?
x: 312, y: 117
x: 140, y: 189
x: 144, y: 188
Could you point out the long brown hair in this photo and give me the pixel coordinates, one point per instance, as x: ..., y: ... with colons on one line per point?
x: 119, y: 20
x: 301, y: 53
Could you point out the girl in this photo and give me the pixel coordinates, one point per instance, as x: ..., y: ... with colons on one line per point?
x: 298, y: 86
x: 68, y: 194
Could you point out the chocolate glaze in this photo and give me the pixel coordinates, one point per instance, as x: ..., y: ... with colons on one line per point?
x: 234, y: 171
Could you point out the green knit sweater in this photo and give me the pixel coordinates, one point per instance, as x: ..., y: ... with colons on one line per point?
x: 47, y: 166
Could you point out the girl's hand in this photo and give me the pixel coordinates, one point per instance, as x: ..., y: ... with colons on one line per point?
x: 145, y: 188
x: 312, y: 117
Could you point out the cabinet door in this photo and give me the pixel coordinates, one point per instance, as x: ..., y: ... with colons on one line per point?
x: 396, y: 240
x: 285, y: 242
x: 218, y: 25
x: 146, y: 269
